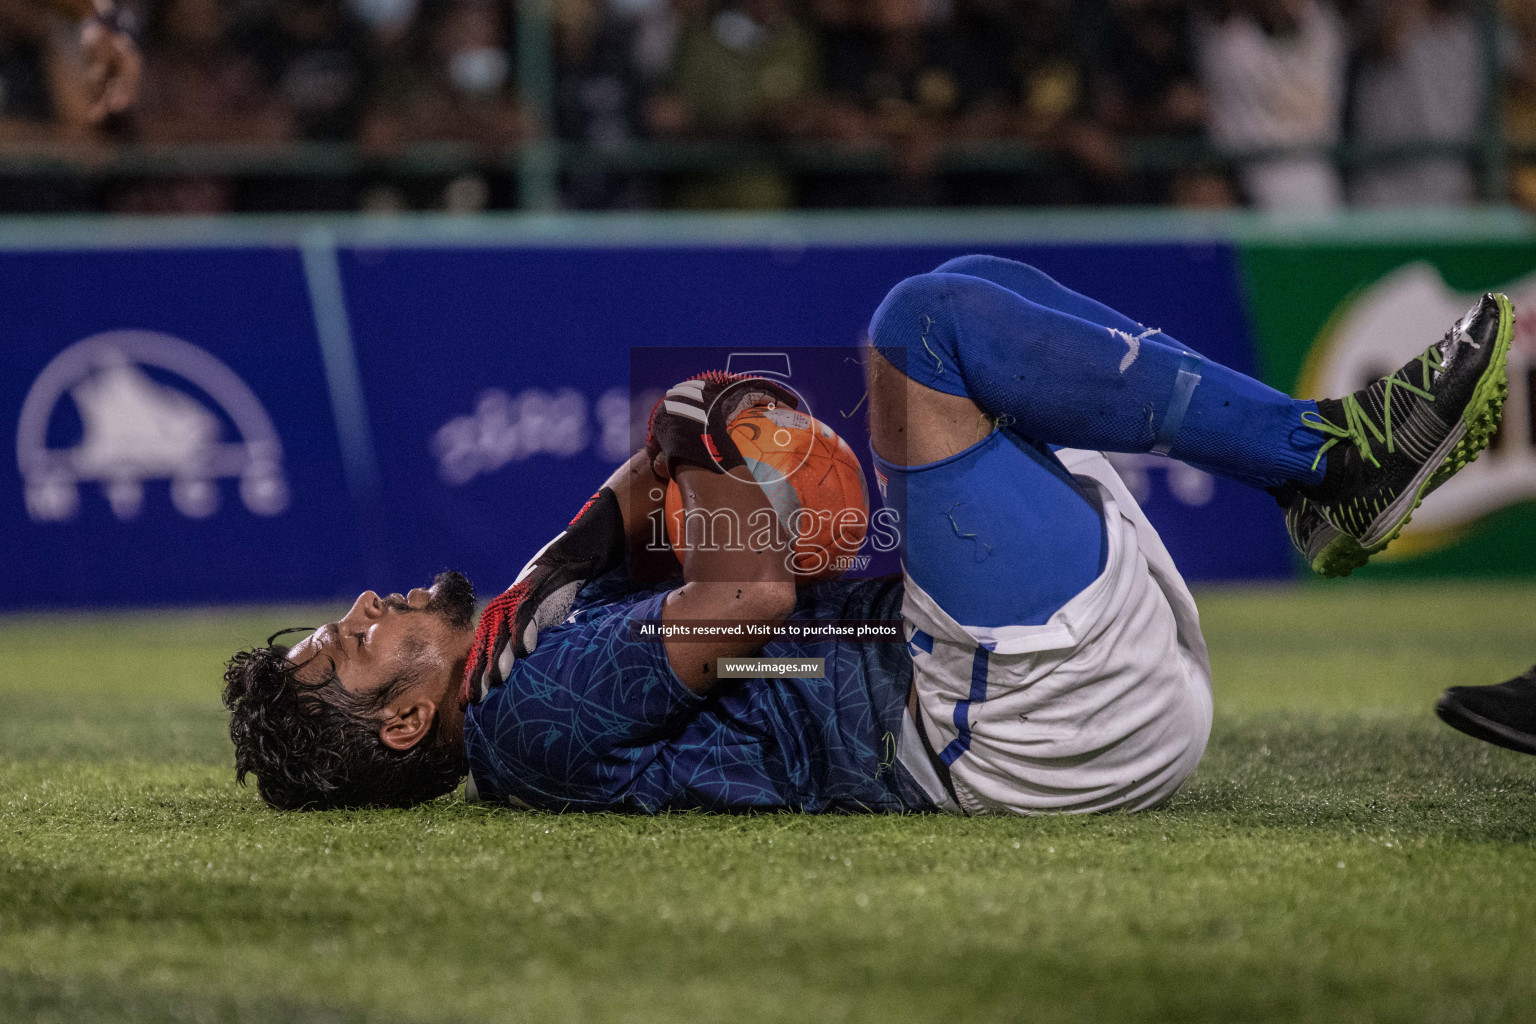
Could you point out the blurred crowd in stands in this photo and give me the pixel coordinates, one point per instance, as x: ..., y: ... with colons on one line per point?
x: 1195, y: 103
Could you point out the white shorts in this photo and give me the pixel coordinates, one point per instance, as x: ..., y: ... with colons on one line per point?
x: 1107, y: 706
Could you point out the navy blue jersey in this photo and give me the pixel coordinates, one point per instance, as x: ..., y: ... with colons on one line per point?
x: 594, y: 719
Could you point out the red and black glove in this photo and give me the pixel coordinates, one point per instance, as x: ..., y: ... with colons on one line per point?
x: 691, y: 424
x: 544, y: 592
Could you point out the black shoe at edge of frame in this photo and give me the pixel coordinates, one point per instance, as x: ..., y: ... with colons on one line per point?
x: 1503, y: 714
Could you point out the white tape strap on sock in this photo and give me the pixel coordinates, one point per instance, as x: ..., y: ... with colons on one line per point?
x: 1178, y: 403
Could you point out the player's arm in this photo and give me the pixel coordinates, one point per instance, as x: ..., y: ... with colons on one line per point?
x: 735, y: 585
x: 731, y: 582
x: 725, y: 579
x: 112, y: 62
x: 641, y: 492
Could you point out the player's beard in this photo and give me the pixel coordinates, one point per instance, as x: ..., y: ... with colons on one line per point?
x: 453, y: 599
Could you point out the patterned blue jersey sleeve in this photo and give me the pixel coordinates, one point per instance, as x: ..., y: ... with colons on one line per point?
x: 574, y: 716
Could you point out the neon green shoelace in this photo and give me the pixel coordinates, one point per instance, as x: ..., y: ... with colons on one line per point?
x: 1358, y: 426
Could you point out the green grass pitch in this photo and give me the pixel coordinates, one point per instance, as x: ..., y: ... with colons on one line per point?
x: 1339, y: 856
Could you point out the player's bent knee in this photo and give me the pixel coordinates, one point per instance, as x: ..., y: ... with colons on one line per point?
x: 978, y: 264
x: 898, y: 321
x: 913, y: 318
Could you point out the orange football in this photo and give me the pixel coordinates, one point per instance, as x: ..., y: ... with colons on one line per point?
x: 812, y: 479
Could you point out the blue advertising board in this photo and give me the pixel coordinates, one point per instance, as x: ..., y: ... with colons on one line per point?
x: 173, y: 435
x: 277, y: 422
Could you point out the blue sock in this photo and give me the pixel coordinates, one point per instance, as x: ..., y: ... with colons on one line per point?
x: 1062, y: 379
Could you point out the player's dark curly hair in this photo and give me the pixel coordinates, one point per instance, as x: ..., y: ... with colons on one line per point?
x: 314, y: 746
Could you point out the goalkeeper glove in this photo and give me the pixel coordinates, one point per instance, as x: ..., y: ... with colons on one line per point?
x: 691, y: 424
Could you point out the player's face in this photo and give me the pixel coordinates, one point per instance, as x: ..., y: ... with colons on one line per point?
x: 426, y: 633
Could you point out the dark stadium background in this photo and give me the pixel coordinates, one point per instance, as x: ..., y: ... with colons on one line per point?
x: 465, y: 105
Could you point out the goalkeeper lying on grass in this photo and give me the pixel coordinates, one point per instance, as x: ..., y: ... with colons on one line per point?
x: 1064, y: 670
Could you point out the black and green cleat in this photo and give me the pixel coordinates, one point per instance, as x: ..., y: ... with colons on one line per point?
x: 1393, y: 442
